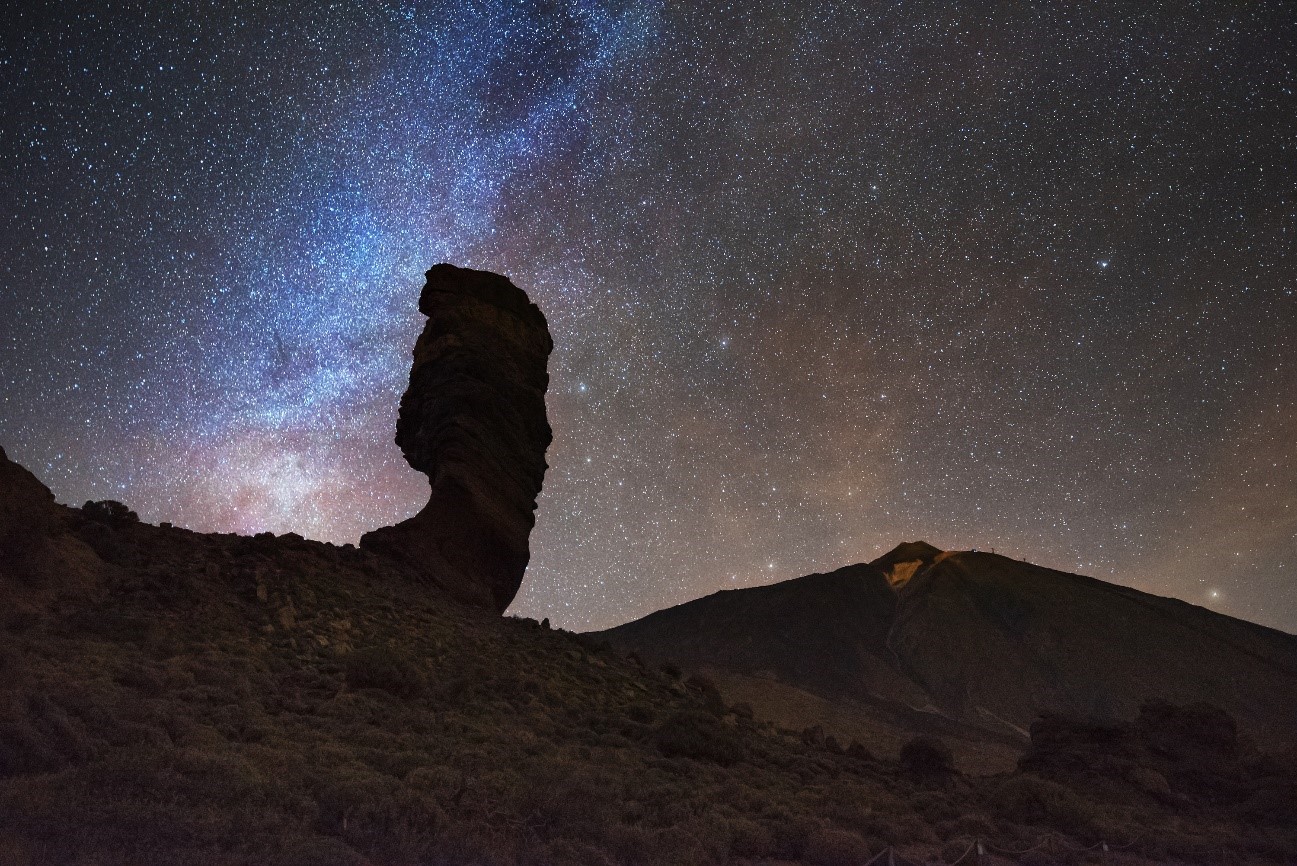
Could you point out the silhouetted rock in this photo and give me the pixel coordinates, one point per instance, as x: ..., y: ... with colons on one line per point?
x: 27, y: 515
x: 473, y: 420
x: 1187, y: 756
x: 1192, y: 732
x: 21, y: 493
x: 1061, y: 743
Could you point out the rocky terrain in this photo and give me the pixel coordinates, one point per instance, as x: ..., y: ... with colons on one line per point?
x: 173, y: 697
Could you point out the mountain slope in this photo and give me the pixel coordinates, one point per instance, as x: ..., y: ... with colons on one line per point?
x: 983, y: 641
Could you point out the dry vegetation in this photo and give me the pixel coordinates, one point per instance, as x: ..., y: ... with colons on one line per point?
x: 222, y: 700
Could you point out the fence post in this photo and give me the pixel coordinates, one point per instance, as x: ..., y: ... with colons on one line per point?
x: 891, y: 860
x: 981, y: 852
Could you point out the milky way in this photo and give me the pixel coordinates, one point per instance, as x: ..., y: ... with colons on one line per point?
x: 821, y: 278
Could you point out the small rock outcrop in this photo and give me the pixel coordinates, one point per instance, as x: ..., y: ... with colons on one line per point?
x: 473, y: 420
x: 22, y: 496
x: 27, y: 515
x: 1187, y: 756
x: 905, y: 560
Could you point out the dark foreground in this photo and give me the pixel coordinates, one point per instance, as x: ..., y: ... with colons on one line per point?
x: 168, y: 697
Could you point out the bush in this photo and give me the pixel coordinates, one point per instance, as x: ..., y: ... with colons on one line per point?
x: 750, y: 839
x: 576, y: 853
x: 973, y: 825
x: 699, y: 736
x: 24, y: 751
x: 711, y: 695
x: 109, y: 511
x: 1032, y: 800
x: 386, y: 669
x: 642, y: 713
x: 927, y: 756
x: 859, y: 752
x: 315, y: 851
x: 829, y: 847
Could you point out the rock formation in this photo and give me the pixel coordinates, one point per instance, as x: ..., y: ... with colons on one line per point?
x: 473, y: 420
x: 26, y: 516
x: 25, y: 500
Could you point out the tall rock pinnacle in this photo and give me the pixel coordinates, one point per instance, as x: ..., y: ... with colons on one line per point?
x: 473, y: 420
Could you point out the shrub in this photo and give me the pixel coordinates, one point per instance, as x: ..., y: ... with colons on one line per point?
x: 813, y: 735
x: 711, y: 695
x: 315, y: 851
x: 576, y: 853
x: 109, y: 511
x: 699, y: 736
x: 973, y: 825
x: 750, y: 839
x: 829, y: 847
x: 927, y: 756
x: 386, y: 669
x: 642, y: 713
x: 859, y: 752
x: 907, y: 829
x: 934, y: 806
x: 675, y: 845
x: 23, y: 751
x: 565, y: 797
x: 1032, y: 800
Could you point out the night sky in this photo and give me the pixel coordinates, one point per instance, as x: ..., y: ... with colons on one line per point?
x: 1010, y: 275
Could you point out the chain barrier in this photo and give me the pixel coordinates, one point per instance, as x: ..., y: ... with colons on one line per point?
x: 1012, y: 853
x: 890, y: 857
x: 878, y: 856
x: 976, y: 844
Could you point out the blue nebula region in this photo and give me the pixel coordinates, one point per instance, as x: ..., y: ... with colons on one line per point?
x: 258, y: 215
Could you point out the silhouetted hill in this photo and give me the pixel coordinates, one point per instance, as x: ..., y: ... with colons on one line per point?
x: 921, y: 636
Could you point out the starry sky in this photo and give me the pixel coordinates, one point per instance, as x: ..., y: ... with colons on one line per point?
x: 822, y: 277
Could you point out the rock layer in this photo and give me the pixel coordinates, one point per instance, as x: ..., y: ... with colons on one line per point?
x: 473, y: 420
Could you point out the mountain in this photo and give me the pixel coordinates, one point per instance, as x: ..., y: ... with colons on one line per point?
x: 977, y: 643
